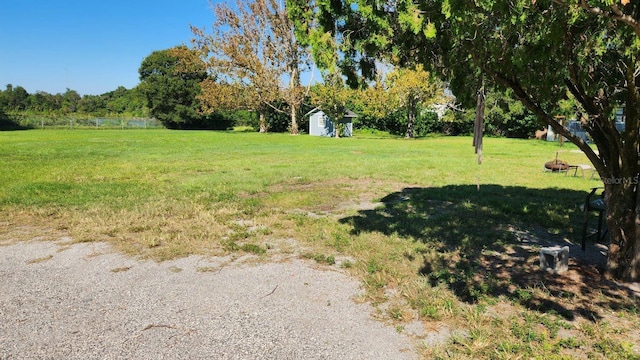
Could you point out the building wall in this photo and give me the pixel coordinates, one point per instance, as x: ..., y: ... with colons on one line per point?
x: 321, y: 125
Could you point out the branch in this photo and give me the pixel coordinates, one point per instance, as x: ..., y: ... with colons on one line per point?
x: 524, y: 97
x: 615, y: 14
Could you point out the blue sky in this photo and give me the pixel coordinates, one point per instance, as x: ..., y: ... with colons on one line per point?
x: 89, y: 46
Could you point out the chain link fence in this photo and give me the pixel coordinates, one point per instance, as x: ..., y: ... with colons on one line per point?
x: 79, y: 122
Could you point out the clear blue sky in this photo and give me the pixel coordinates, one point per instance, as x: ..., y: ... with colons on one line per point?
x: 89, y: 46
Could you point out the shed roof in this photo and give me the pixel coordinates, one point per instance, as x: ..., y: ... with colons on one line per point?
x: 347, y: 113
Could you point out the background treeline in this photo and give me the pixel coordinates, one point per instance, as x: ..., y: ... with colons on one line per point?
x: 20, y: 109
x: 119, y: 102
x: 130, y: 108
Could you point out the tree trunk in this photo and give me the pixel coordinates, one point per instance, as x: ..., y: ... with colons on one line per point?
x: 411, y: 121
x: 623, y: 221
x: 264, y: 127
x: 621, y: 190
x: 336, y: 123
x: 294, y: 119
x: 294, y: 98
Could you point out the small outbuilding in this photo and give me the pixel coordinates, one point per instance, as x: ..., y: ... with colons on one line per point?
x: 321, y: 125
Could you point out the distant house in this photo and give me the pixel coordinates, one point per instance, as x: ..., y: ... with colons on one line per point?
x: 321, y: 125
x: 575, y: 127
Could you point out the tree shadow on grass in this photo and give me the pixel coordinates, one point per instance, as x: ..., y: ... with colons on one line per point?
x: 487, y: 242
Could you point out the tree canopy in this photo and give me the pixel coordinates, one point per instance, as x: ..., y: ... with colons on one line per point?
x: 170, y: 81
x: 250, y: 52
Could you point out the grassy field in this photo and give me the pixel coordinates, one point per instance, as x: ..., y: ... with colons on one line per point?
x: 433, y: 236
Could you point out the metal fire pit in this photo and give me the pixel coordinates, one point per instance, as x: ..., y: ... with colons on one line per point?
x: 556, y: 165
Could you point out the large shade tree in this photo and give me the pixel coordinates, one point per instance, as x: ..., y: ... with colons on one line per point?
x: 254, y: 58
x: 170, y: 81
x: 540, y: 49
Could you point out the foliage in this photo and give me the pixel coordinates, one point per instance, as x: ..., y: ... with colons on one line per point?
x: 7, y: 123
x: 170, y: 81
x: 331, y: 97
x: 120, y: 102
x: 506, y: 116
x: 412, y: 89
x: 249, y: 53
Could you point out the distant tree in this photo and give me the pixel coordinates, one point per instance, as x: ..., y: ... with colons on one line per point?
x: 412, y: 89
x: 93, y: 104
x: 332, y: 97
x: 506, y: 116
x: 70, y: 100
x: 170, y: 81
x: 250, y: 51
x: 14, y: 98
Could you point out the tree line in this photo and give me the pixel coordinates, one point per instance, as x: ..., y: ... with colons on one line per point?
x: 119, y: 102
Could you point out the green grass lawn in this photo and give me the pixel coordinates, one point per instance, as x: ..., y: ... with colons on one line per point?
x: 433, y: 235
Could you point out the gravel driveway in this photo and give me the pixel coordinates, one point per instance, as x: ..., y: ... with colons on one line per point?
x: 87, y: 302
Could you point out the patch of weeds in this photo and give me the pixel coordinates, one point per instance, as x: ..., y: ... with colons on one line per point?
x: 299, y: 219
x: 239, y: 233
x: 340, y: 241
x: 253, y: 248
x: 609, y: 347
x: 570, y: 343
x: 138, y: 228
x: 373, y: 266
x: 431, y: 302
x: 346, y: 264
x: 629, y: 310
x: 524, y: 294
x: 153, y: 242
x: 121, y: 269
x: 41, y: 259
x: 375, y: 281
x: 175, y: 269
x: 553, y: 324
x: 525, y: 330
x: 508, y: 349
x: 320, y: 258
x: 264, y: 231
x: 207, y: 269
x: 431, y: 312
x: 396, y: 313
x: 230, y: 245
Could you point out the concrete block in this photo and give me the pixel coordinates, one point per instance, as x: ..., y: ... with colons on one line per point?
x: 554, y: 259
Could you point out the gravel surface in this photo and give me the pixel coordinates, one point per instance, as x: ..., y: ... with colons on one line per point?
x: 87, y: 302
